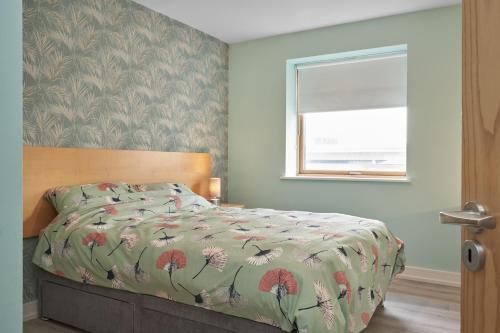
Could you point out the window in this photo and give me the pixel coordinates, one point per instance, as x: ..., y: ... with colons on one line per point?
x: 350, y: 114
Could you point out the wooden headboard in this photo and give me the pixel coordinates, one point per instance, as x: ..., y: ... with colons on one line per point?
x: 48, y: 167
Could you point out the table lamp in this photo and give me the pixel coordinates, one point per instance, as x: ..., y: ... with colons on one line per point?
x: 214, y: 190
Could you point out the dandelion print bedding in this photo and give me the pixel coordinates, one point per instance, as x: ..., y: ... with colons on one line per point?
x: 295, y: 270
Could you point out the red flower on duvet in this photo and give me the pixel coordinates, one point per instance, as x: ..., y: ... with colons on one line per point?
x: 107, y: 186
x: 279, y: 282
x: 242, y: 237
x: 166, y: 225
x: 94, y: 239
x: 174, y: 199
x: 106, y: 210
x: 171, y: 261
x: 110, y: 210
x: 59, y: 273
x: 365, y: 317
x: 139, y: 188
x: 163, y: 226
x: 345, y: 286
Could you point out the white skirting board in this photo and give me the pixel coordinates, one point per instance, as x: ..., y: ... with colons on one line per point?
x: 30, y: 310
x: 419, y: 274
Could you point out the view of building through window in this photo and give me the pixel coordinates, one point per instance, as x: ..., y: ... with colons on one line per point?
x: 355, y: 141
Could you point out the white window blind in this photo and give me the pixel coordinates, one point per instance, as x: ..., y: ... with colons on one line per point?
x: 360, y: 84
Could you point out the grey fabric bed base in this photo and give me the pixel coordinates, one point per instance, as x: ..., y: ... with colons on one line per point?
x: 103, y: 310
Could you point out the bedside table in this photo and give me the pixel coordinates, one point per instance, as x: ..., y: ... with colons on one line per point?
x: 231, y: 205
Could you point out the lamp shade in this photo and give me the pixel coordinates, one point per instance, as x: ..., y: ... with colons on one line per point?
x: 214, y: 187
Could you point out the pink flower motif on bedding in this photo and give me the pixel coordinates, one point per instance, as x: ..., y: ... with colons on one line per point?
x: 171, y: 261
x: 94, y: 239
x: 365, y: 317
x: 281, y: 283
x: 138, y: 188
x: 110, y: 210
x: 278, y: 281
x: 107, y: 187
x: 344, y: 285
x: 166, y: 226
x: 175, y: 200
x: 59, y: 273
x: 106, y: 210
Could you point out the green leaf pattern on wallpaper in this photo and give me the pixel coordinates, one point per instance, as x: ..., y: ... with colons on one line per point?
x: 114, y: 74
x: 110, y: 73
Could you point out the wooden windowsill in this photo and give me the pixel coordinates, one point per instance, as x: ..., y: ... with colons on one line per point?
x: 352, y: 178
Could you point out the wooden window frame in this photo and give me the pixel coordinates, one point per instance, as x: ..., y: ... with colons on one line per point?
x: 302, y: 171
x: 295, y: 150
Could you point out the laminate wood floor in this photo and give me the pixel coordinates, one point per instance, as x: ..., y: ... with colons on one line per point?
x: 409, y: 308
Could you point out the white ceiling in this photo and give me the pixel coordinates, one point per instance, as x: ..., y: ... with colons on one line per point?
x: 235, y: 21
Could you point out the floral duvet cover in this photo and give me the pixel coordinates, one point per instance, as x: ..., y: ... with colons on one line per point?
x: 310, y: 271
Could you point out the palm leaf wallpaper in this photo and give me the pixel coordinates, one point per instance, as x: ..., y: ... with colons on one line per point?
x: 114, y: 74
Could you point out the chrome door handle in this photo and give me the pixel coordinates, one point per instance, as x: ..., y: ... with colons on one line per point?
x: 474, y: 216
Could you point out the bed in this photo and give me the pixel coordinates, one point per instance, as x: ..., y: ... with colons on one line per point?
x: 146, y: 255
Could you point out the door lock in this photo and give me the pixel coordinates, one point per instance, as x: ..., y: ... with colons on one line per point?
x: 473, y: 255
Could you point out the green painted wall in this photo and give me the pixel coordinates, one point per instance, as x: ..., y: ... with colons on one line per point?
x: 11, y: 165
x: 257, y: 130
